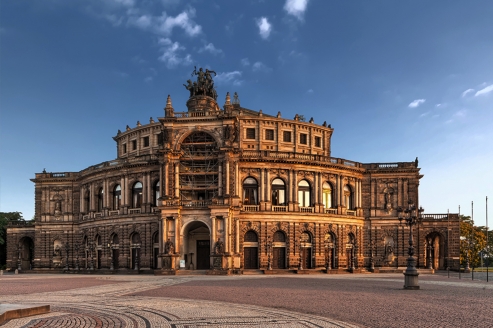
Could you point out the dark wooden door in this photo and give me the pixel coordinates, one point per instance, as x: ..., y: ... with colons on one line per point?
x: 116, y: 254
x: 155, y: 257
x: 99, y: 254
x: 203, y: 254
x: 306, y: 257
x: 251, y: 257
x: 279, y: 258
x: 135, y: 257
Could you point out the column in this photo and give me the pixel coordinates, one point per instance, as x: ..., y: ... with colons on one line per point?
x: 227, y: 177
x: 177, y: 180
x: 315, y: 187
x: 82, y: 193
x: 161, y: 235
x: 267, y: 181
x: 320, y: 188
x: 399, y: 192
x: 237, y: 231
x: 406, y: 192
x: 124, y: 191
x: 226, y: 233
x: 237, y: 177
x: 213, y: 232
x: 262, y: 189
x: 294, y: 187
x: 93, y: 198
x: 360, y: 196
x: 164, y: 180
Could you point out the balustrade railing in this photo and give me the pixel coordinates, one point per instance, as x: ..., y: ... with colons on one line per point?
x: 351, y: 212
x: 277, y: 208
x: 134, y: 211
x: 114, y: 212
x: 250, y: 208
x: 307, y: 209
x: 331, y: 210
x: 249, y: 154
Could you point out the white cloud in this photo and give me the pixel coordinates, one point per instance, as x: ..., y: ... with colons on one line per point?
x: 438, y: 105
x: 171, y: 56
x: 163, y: 25
x: 124, y: 3
x: 260, y: 67
x: 310, y: 91
x: 148, y: 79
x: 233, y: 77
x: 465, y: 93
x: 484, y: 91
x: 114, y: 19
x: 264, y: 27
x: 460, y: 113
x: 211, y: 49
x: 416, y: 103
x: 424, y: 114
x: 245, y: 62
x: 296, y: 8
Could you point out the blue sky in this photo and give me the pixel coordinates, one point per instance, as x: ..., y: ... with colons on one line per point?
x: 395, y: 79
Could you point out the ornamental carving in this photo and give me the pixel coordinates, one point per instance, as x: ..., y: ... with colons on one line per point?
x: 280, y: 225
x: 306, y: 227
x: 250, y: 226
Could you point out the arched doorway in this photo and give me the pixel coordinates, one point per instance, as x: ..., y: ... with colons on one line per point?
x: 330, y: 250
x: 350, y: 250
x: 115, y: 250
x: 155, y: 250
x: 279, y: 250
x: 434, y: 251
x: 26, y: 245
x: 306, y: 250
x: 197, y: 246
x: 99, y: 251
x: 250, y: 250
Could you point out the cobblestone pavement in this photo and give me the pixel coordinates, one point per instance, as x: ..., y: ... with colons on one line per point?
x: 268, y: 301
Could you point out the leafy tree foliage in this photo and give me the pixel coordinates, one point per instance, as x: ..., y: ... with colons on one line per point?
x: 5, y: 218
x: 472, y: 241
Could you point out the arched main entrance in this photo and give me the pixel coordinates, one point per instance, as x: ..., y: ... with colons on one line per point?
x: 197, y: 246
x: 26, y: 245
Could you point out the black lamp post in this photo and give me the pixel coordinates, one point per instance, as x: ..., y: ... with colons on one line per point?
x: 412, y: 217
x: 300, y: 265
x: 110, y: 247
x: 91, y: 260
x: 67, y: 249
x: 77, y: 247
x: 19, y: 262
x: 371, y: 247
x: 429, y: 243
x: 328, y: 249
x: 268, y: 245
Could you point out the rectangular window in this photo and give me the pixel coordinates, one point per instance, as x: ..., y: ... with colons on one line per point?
x: 250, y: 133
x: 286, y: 136
x: 269, y: 134
x: 124, y: 146
x: 318, y: 142
x: 303, y: 138
x: 134, y: 144
x: 146, y: 141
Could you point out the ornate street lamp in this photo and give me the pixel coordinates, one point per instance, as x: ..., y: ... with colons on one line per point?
x: 137, y: 247
x: 328, y: 250
x: 412, y: 217
x: 19, y: 262
x: 67, y: 249
x: 110, y: 246
x: 371, y: 247
x: 268, y: 245
x: 91, y: 259
x: 430, y: 254
x: 77, y: 247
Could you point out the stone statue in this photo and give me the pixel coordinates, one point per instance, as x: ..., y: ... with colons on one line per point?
x: 236, y: 100
x: 204, y: 85
x: 219, y: 247
x: 190, y: 88
x: 169, y: 247
x: 58, y: 207
x: 57, y: 251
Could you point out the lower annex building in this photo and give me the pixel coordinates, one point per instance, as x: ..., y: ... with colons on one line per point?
x: 228, y: 189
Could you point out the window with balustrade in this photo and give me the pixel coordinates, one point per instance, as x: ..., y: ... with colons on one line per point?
x: 304, y: 194
x: 348, y: 197
x: 117, y: 197
x: 100, y: 200
x: 250, y: 191
x: 327, y: 195
x: 137, y: 195
x: 278, y: 192
x: 155, y: 193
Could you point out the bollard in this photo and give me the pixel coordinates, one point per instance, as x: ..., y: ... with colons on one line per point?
x: 1, y: 272
x: 16, y: 271
x: 448, y: 272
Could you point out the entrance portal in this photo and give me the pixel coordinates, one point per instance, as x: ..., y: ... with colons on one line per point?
x: 27, y: 249
x: 197, y: 246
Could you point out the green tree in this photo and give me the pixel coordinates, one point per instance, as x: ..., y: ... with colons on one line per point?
x: 472, y: 242
x: 5, y: 218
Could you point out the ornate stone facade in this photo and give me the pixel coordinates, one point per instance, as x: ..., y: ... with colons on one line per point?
x: 228, y: 189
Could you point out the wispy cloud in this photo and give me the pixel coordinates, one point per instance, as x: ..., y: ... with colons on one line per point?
x: 484, y: 91
x: 233, y: 77
x: 264, y: 27
x: 296, y: 8
x: 416, y: 103
x: 460, y: 113
x: 465, y: 93
x: 148, y: 79
x: 163, y: 25
x: 210, y: 49
x: 424, y: 114
x: 260, y: 67
x: 310, y: 91
x: 245, y: 62
x: 171, y: 53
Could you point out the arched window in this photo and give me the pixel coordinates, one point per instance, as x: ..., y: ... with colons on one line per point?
x: 279, y: 236
x: 278, y: 192
x: 100, y: 199
x: 87, y: 201
x: 250, y: 191
x: 137, y: 195
x: 327, y: 195
x: 135, y: 238
x: 117, y: 197
x: 304, y: 194
x: 98, y: 240
x: 251, y: 236
x: 348, y: 197
x: 114, y: 239
x: 155, y: 191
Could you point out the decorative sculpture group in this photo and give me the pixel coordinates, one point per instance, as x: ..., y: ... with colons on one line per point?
x: 204, y: 85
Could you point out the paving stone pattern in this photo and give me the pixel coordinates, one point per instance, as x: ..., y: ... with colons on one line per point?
x: 249, y: 301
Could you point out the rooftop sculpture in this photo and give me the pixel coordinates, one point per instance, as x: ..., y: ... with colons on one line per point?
x: 204, y: 86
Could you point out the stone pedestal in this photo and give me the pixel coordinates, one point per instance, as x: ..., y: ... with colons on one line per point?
x: 168, y: 262
x: 219, y: 262
x: 411, y: 275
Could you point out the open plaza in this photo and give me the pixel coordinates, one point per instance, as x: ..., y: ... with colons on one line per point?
x: 345, y: 300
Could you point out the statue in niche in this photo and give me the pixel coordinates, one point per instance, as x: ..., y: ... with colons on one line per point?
x: 58, y: 251
x: 388, y: 199
x: 219, y: 247
x: 169, y: 247
x: 58, y: 208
